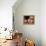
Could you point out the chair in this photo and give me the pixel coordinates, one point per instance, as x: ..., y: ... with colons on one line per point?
x: 18, y: 39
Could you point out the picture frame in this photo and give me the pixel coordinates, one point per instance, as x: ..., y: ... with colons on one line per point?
x: 29, y: 19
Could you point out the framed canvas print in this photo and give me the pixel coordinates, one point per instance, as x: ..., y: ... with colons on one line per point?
x: 29, y: 19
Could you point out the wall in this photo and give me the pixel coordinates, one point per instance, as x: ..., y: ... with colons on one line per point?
x: 43, y: 22
x: 29, y: 7
x: 6, y: 13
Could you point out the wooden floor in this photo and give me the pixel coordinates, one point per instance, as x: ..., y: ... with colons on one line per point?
x: 9, y: 43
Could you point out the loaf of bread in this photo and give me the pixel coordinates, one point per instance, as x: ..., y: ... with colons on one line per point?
x: 29, y: 43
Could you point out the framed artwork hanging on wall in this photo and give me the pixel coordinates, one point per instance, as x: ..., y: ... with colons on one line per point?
x: 29, y: 19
